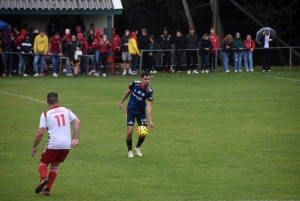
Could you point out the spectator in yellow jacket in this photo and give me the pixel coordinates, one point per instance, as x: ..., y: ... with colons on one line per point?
x: 134, y: 51
x: 40, y: 48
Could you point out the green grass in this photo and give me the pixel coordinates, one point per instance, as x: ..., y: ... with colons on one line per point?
x: 219, y: 136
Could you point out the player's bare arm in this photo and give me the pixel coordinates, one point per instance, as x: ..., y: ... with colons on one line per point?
x: 149, y: 111
x: 76, y: 123
x: 37, y: 140
x: 122, y: 107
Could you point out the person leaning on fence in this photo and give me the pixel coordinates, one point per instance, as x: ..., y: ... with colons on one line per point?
x: 85, y: 48
x: 104, y: 47
x: 192, y: 41
x: 212, y: 54
x: 134, y: 51
x: 143, y: 43
x: 238, y: 46
x: 226, y: 47
x: 179, y: 44
x: 65, y: 41
x: 55, y: 51
x: 249, y: 45
x: 2, y: 49
x: 152, y: 54
x: 126, y: 56
x: 40, y: 48
x: 205, y: 45
x: 166, y: 44
x: 266, y: 41
x: 94, y: 46
x: 17, y: 44
x: 26, y: 50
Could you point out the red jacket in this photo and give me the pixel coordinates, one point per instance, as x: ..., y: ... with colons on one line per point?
x: 85, y: 46
x: 215, y: 42
x: 97, y: 40
x: 248, y: 45
x: 20, y: 38
x: 104, y: 47
x: 116, y: 40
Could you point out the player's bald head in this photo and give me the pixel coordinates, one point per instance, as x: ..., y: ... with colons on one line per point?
x: 52, y: 98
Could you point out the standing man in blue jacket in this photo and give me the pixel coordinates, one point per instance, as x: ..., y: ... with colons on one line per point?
x: 192, y: 41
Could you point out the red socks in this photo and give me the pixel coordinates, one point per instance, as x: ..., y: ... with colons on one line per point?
x: 43, y: 171
x: 51, y: 177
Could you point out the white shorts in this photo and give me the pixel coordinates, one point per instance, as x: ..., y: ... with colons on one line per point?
x: 126, y: 56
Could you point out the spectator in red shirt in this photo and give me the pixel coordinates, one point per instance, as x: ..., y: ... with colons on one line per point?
x: 18, y: 46
x: 116, y: 44
x: 212, y: 53
x: 95, y: 46
x: 85, y: 48
x: 55, y: 50
x: 249, y: 45
x: 104, y: 47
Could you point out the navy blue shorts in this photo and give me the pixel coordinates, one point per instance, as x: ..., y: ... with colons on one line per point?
x: 140, y: 118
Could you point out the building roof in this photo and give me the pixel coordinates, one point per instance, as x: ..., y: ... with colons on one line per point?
x: 61, y: 7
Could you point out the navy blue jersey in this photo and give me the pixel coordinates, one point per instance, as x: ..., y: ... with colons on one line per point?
x: 138, y: 96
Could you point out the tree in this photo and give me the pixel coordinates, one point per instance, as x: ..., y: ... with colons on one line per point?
x: 188, y: 14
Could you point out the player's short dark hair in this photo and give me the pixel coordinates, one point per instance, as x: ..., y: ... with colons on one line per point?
x: 52, y: 98
x: 145, y: 73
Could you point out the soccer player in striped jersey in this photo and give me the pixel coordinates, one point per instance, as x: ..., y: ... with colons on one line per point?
x: 57, y: 121
x: 139, y: 92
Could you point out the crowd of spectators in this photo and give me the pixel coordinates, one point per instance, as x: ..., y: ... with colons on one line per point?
x: 78, y: 45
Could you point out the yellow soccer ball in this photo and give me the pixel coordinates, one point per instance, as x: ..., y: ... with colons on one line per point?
x: 142, y: 131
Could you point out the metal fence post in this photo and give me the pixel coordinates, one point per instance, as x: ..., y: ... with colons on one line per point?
x: 141, y: 60
x: 290, y: 58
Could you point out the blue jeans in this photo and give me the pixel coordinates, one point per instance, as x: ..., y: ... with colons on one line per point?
x: 135, y: 59
x: 248, y: 62
x: 20, y: 63
x: 237, y: 60
x: 97, y: 54
x: 35, y: 62
x: 94, y: 62
x: 204, y: 61
x: 55, y: 60
x: 225, y: 56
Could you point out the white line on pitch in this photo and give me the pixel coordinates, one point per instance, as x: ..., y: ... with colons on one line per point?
x: 21, y: 96
x: 281, y: 78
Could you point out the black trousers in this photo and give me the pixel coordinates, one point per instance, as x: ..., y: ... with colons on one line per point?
x: 145, y: 61
x: 103, y: 60
x: 2, y: 67
x: 191, y: 54
x: 266, y: 59
x: 152, y: 62
x: 166, y: 60
x: 25, y: 64
x: 212, y: 62
x: 179, y: 59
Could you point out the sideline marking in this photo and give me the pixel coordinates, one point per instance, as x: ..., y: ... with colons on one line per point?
x: 281, y: 78
x: 21, y: 96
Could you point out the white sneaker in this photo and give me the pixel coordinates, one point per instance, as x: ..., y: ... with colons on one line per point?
x: 263, y: 70
x: 235, y: 71
x: 154, y: 71
x: 69, y: 74
x: 240, y: 71
x: 133, y: 73
x: 36, y: 75
x: 189, y: 72
x: 130, y: 154
x: 251, y: 70
x: 247, y: 70
x: 172, y: 70
x: 129, y: 71
x: 41, y: 74
x: 269, y: 70
x: 92, y: 72
x: 206, y: 71
x: 138, y: 151
x: 151, y: 71
x: 124, y: 72
x: 25, y: 75
x: 104, y: 75
x: 55, y: 75
x: 203, y: 71
x: 195, y: 72
x: 227, y: 71
x: 96, y: 74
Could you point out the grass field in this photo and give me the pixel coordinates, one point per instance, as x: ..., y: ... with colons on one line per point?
x: 217, y: 136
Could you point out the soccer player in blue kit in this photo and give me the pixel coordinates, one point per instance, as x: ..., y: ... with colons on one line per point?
x: 139, y: 92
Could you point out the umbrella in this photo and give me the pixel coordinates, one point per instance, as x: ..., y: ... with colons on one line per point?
x: 259, y: 33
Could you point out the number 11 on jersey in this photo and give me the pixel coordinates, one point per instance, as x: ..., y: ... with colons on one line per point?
x: 62, y: 116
